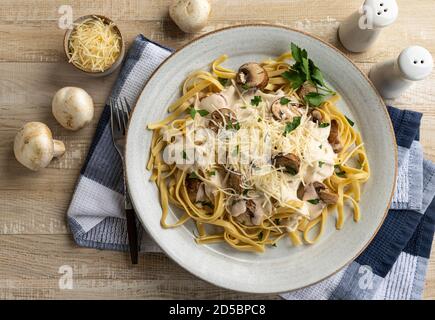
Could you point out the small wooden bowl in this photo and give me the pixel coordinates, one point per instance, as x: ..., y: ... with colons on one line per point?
x: 114, y: 66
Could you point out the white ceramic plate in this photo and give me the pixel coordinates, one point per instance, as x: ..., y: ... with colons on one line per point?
x: 285, y: 267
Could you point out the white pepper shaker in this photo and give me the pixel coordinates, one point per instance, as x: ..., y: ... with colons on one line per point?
x: 361, y: 29
x: 394, y: 76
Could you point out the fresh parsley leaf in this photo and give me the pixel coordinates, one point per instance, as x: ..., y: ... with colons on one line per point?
x: 314, y: 99
x: 350, y: 121
x: 306, y: 68
x: 316, y: 75
x: 295, y: 78
x: 256, y: 101
x: 283, y: 101
x: 203, y: 113
x: 192, y: 112
x: 277, y: 222
x: 184, y: 155
x: 193, y: 175
x: 243, y: 107
x: 296, y: 52
x: 292, y: 125
x: 340, y: 173
x: 314, y: 201
x: 245, y: 87
x: 231, y: 125
x: 245, y: 192
x: 211, y: 173
x: 324, y: 125
x: 223, y: 81
x: 260, y: 236
x: 321, y: 163
x: 320, y: 147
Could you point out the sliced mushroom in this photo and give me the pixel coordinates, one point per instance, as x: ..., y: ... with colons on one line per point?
x: 289, y: 161
x: 301, y: 191
x: 192, y: 186
x: 305, y: 89
x: 252, y: 75
x: 318, y: 186
x: 250, y: 207
x: 333, y: 134
x: 254, y: 213
x: 221, y: 117
x: 237, y: 208
x: 337, y: 146
x: 333, y: 138
x: 314, y: 205
x: 324, y: 193
x: 316, y: 116
x: 213, y: 102
x: 284, y: 111
x: 235, y: 181
x: 327, y: 196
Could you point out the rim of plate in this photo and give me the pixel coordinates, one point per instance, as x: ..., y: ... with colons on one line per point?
x: 366, y: 78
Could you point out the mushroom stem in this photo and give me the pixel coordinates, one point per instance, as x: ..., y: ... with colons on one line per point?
x: 58, y: 148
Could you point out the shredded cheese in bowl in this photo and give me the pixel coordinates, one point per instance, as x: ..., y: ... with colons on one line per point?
x: 94, y: 44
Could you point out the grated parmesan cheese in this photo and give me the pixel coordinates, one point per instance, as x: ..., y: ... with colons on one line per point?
x: 94, y: 45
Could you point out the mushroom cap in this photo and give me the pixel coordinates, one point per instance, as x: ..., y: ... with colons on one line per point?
x: 305, y: 89
x: 73, y: 108
x: 284, y: 111
x: 190, y: 15
x: 221, y: 117
x: 289, y: 161
x: 253, y: 75
x: 33, y: 145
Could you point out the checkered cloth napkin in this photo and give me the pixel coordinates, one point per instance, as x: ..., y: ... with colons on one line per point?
x: 392, y: 267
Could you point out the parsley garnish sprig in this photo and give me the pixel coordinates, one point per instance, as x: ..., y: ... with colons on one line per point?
x: 290, y: 126
x: 305, y: 70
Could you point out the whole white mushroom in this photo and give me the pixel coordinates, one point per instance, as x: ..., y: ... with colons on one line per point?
x: 34, y: 146
x: 190, y: 15
x: 73, y: 108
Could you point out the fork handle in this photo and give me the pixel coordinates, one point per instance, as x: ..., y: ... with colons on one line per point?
x: 132, y: 235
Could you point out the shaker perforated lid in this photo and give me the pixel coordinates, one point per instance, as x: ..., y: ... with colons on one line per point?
x: 415, y: 63
x: 381, y: 13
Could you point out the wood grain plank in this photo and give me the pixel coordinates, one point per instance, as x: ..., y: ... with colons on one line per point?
x: 61, y: 174
x: 42, y: 41
x: 230, y: 10
x: 34, y: 239
x: 96, y: 274
x: 95, y: 289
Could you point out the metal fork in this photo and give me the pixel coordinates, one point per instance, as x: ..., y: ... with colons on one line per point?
x: 120, y: 111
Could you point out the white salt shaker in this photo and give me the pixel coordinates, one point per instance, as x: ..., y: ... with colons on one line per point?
x: 361, y: 29
x: 394, y: 76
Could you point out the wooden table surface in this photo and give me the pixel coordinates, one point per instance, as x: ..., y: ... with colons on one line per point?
x: 34, y: 238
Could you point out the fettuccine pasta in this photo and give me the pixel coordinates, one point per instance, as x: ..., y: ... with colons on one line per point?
x: 257, y: 155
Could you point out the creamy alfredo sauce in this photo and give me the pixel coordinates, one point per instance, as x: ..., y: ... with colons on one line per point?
x: 256, y: 131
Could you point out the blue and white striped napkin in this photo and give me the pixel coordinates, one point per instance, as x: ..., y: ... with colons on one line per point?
x: 392, y: 267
